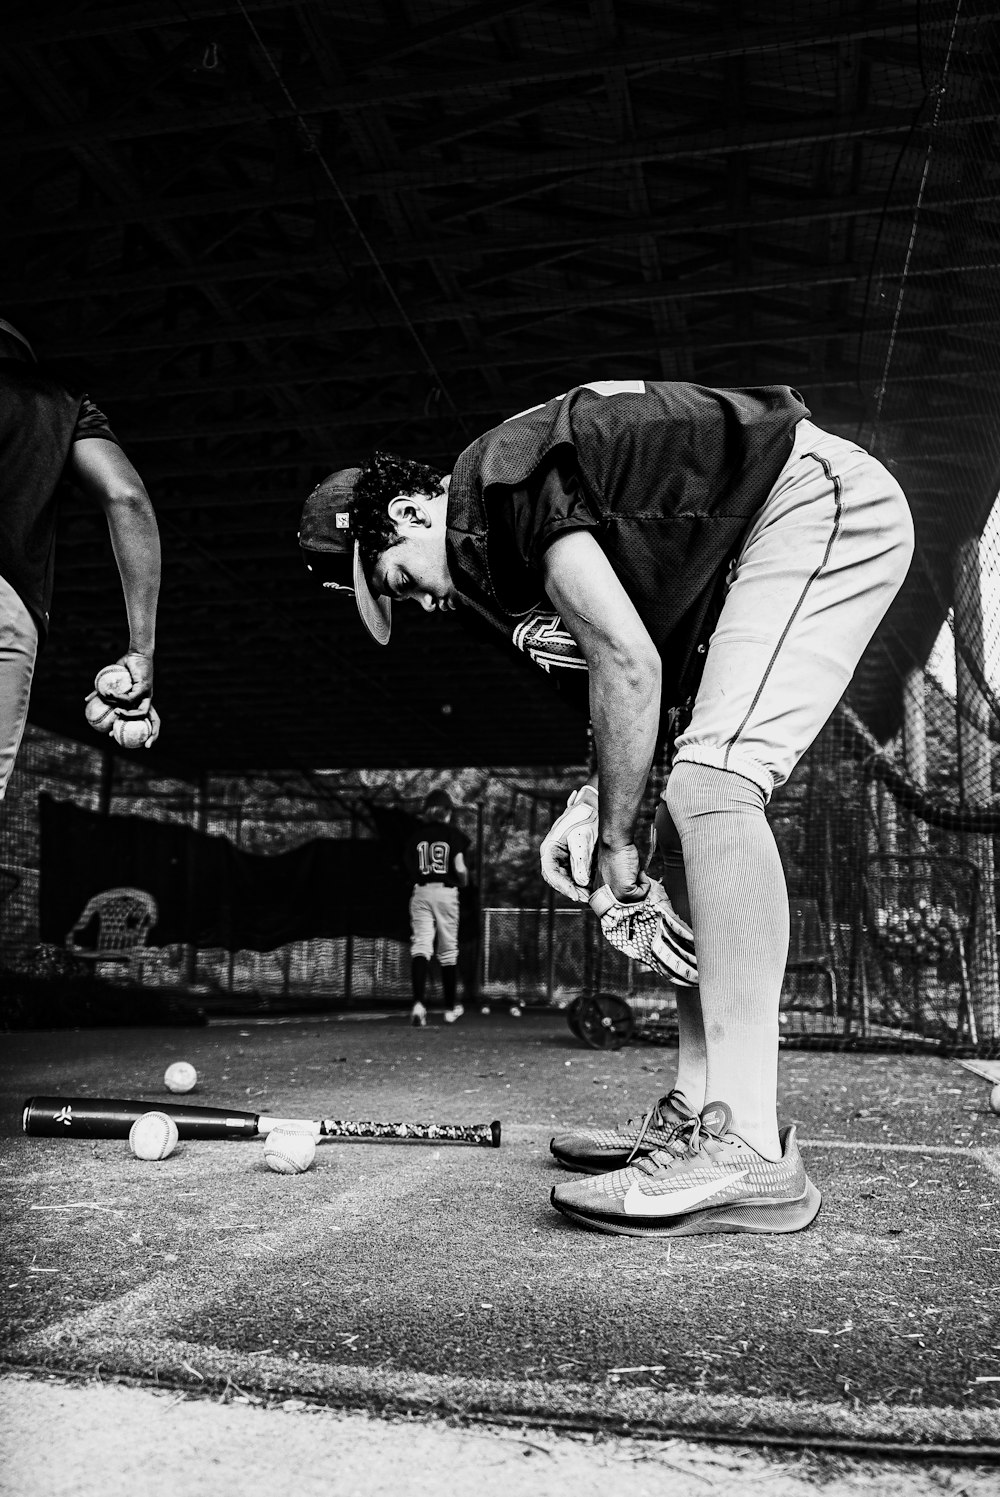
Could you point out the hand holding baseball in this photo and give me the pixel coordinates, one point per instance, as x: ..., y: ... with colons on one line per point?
x: 128, y: 681
x: 138, y: 729
x: 121, y: 702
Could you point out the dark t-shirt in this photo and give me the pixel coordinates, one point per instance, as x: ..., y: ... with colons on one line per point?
x: 39, y: 422
x: 667, y: 477
x: 430, y: 853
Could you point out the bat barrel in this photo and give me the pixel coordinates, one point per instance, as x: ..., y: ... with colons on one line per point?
x: 110, y: 1117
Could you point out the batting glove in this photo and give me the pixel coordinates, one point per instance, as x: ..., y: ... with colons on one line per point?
x: 649, y: 931
x: 568, y: 849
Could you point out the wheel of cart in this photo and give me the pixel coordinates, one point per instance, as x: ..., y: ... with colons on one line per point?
x: 602, y: 1021
x: 573, y: 1017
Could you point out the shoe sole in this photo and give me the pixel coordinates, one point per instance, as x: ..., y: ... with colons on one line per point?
x: 764, y: 1217
x: 605, y: 1166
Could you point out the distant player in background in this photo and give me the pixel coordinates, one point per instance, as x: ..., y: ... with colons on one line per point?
x: 51, y: 438
x: 434, y: 857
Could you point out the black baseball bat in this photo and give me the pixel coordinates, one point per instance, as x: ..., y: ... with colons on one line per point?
x: 110, y: 1117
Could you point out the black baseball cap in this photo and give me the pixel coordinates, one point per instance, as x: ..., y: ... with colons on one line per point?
x: 332, y: 553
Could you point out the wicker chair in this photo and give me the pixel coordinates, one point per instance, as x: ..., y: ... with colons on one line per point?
x: 124, y: 919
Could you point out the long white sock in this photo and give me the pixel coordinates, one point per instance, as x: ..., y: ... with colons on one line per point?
x: 739, y: 913
x: 692, y: 1058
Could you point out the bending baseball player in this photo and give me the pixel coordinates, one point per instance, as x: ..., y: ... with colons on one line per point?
x: 705, y: 552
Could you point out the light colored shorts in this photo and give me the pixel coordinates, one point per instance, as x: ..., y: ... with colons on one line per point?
x: 18, y: 647
x: 818, y: 569
x: 434, y: 914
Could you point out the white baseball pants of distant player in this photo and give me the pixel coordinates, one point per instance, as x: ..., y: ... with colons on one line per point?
x: 434, y: 920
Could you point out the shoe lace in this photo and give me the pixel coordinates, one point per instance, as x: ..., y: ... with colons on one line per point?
x: 654, y: 1118
x: 703, y: 1133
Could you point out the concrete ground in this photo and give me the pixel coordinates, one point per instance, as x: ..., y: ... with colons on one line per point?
x: 436, y: 1282
x: 92, y: 1440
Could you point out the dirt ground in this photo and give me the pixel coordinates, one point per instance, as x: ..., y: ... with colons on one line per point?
x: 424, y: 1305
x: 93, y: 1440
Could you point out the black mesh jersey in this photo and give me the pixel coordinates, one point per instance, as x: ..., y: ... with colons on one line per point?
x: 430, y: 853
x: 667, y: 477
x: 39, y: 422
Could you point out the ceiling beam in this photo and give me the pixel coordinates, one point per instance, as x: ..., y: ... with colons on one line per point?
x: 668, y: 52
x: 399, y: 41
x: 679, y: 222
x: 205, y: 333
x: 702, y: 142
x: 355, y: 372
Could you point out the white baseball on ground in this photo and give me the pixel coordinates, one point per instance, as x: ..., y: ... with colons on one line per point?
x: 289, y: 1151
x: 153, y: 1136
x: 180, y: 1077
x: 995, y: 1099
x: 114, y: 681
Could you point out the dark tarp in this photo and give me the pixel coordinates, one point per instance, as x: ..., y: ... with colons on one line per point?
x: 210, y: 893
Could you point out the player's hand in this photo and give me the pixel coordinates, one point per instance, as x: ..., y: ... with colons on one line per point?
x: 140, y: 668
x: 567, y: 853
x: 622, y: 872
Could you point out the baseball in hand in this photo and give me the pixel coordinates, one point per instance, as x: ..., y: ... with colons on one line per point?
x: 180, y: 1077
x: 289, y: 1151
x: 99, y: 713
x: 132, y: 732
x: 153, y: 1136
x: 114, y: 683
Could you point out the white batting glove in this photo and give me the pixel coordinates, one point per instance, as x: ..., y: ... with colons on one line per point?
x: 568, y: 849
x: 649, y: 931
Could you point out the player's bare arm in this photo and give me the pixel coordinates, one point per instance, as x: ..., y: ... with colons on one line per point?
x: 625, y: 676
x: 105, y: 475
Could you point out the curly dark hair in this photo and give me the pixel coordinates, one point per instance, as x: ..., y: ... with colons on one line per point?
x: 383, y: 477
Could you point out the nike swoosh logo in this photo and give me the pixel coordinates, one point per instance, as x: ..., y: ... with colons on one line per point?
x: 678, y: 1201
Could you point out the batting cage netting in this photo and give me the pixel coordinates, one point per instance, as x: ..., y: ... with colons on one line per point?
x: 283, y: 890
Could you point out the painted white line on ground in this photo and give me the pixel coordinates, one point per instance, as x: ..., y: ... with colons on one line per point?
x: 990, y: 1160
x: 869, y: 1148
x: 272, y: 1021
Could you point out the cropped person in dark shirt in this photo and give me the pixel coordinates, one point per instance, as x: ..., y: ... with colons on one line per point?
x: 434, y: 857
x: 717, y: 564
x: 51, y: 440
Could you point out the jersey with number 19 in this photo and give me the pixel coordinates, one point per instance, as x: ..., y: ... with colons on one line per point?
x: 430, y: 853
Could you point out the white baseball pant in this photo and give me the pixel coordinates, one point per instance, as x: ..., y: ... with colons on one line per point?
x: 434, y: 919
x: 819, y: 567
x: 18, y: 647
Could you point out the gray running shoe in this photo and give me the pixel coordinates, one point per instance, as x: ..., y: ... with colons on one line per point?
x: 714, y: 1183
x: 595, y: 1151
